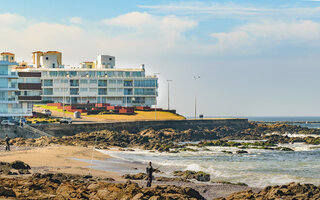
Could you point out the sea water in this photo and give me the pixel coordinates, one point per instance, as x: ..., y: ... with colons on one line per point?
x: 257, y: 168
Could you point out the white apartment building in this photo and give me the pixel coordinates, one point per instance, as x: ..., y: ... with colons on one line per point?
x: 94, y: 82
x: 9, y: 102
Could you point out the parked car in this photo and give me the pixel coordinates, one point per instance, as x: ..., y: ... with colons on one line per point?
x: 66, y: 120
x: 47, y: 112
x: 7, y: 122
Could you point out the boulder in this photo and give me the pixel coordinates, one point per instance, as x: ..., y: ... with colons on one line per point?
x: 199, y: 176
x: 19, y: 165
x: 7, y: 192
x: 138, y: 176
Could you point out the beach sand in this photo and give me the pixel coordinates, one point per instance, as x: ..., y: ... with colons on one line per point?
x: 71, y: 159
x: 57, y: 159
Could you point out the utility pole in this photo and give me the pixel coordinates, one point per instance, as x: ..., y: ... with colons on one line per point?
x: 169, y: 94
x: 195, y: 96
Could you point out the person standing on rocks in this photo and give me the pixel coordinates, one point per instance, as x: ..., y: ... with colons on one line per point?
x: 150, y: 170
x: 7, y: 140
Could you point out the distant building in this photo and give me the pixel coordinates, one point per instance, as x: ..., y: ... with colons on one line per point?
x: 92, y: 81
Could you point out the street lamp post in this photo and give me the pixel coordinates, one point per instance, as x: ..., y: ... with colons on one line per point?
x: 64, y: 95
x: 155, y: 96
x: 169, y: 94
x: 195, y: 96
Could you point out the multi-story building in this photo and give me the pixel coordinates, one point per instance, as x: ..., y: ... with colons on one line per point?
x: 9, y: 101
x: 94, y: 82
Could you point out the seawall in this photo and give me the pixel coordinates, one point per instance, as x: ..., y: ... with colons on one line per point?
x: 136, y: 126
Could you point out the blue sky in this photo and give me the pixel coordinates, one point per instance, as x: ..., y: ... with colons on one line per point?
x: 255, y: 58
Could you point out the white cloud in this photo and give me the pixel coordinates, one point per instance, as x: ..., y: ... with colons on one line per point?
x: 269, y: 34
x: 133, y: 19
x: 75, y: 20
x: 232, y: 10
x: 8, y: 19
x: 144, y: 21
x: 164, y: 30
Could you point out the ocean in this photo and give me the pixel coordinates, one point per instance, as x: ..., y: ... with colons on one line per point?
x: 258, y: 168
x: 303, y: 121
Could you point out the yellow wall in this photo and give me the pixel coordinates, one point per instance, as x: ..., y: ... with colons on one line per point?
x: 89, y: 65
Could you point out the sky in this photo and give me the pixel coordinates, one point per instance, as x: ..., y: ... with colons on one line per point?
x: 254, y: 58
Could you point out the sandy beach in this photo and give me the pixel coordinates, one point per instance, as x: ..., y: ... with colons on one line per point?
x: 74, y: 160
x: 57, y: 159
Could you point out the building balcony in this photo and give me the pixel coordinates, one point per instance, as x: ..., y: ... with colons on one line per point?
x: 29, y: 86
x: 29, y: 74
x: 9, y: 88
x: 29, y: 98
x: 8, y: 75
x: 9, y: 100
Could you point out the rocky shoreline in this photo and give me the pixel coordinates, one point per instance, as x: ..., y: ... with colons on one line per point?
x: 169, y: 140
x: 20, y: 185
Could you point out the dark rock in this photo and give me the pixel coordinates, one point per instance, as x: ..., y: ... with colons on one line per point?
x: 7, y: 192
x: 241, y: 152
x: 19, y: 165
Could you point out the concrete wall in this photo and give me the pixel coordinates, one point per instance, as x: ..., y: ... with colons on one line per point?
x: 72, y: 129
x: 16, y: 131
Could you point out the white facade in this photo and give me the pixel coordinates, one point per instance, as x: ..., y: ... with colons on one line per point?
x: 9, y: 104
x: 118, y: 87
x: 105, y: 62
x: 49, y: 61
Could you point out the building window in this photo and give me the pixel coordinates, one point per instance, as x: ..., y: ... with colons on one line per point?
x: 47, y: 91
x: 144, y: 91
x: 102, y: 91
x: 127, y: 91
x: 101, y: 74
x: 110, y: 58
x: 47, y: 82
x: 83, y: 89
x: 136, y: 74
x: 110, y: 74
x: 74, y: 91
x: 145, y: 83
x: 47, y: 58
x: 54, y: 74
x: 102, y: 83
x: 72, y: 73
x: 127, y: 74
x: 127, y: 83
x: 84, y: 81
x: 74, y: 83
x: 93, y: 81
x: 111, y: 82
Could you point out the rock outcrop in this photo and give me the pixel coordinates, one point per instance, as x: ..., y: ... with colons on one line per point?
x: 66, y: 186
x: 199, y: 176
x: 286, y: 192
x: 14, y: 168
